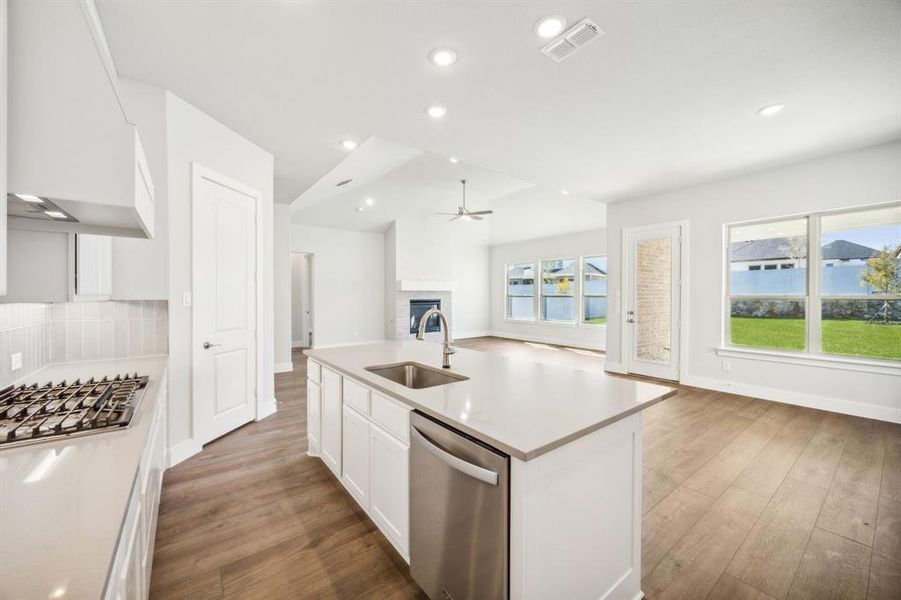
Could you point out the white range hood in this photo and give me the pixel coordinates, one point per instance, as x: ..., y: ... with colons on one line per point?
x: 69, y: 141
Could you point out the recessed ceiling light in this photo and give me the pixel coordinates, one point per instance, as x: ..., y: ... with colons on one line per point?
x: 437, y: 111
x: 443, y: 57
x: 349, y: 144
x: 55, y: 214
x: 564, y: 192
x: 359, y: 209
x: 369, y: 201
x: 29, y: 198
x: 550, y: 26
x: 772, y: 109
x: 454, y: 159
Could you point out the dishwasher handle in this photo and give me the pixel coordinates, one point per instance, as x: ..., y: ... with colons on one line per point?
x: 485, y: 475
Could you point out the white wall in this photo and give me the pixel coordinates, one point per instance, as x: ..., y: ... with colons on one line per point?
x: 861, y: 177
x: 192, y: 136
x: 471, y: 270
x: 423, y: 250
x: 348, y: 283
x: 570, y: 245
x: 282, y: 287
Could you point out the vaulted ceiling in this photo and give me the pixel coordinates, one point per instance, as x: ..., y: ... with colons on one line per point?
x: 665, y: 98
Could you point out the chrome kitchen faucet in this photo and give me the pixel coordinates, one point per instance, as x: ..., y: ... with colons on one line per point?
x: 448, y: 348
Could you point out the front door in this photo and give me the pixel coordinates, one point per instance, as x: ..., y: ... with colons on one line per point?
x: 653, y: 301
x: 224, y: 314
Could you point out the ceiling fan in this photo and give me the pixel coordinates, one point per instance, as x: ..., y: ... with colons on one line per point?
x: 463, y: 214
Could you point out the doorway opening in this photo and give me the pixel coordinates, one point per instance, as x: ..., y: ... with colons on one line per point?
x: 302, y: 300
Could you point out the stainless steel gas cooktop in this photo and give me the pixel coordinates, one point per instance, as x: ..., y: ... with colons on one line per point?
x: 34, y: 413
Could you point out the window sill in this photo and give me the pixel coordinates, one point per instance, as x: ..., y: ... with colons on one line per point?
x: 555, y: 323
x: 847, y: 363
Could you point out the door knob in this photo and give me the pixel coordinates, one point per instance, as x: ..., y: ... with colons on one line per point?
x: 630, y: 320
x: 207, y: 345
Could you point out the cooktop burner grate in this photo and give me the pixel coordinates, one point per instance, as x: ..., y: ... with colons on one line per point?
x: 33, y: 413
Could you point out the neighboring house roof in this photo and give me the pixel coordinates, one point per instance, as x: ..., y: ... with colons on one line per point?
x: 591, y: 269
x: 844, y: 249
x: 780, y: 248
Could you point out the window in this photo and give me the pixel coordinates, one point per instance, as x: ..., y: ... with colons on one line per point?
x: 558, y: 289
x: 767, y: 308
x: 594, y: 290
x: 521, y: 291
x: 860, y: 306
x: 850, y: 302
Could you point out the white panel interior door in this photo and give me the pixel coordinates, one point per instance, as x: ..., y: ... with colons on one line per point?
x: 653, y: 302
x: 224, y: 307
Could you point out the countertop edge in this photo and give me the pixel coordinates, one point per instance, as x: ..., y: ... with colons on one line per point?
x: 513, y: 452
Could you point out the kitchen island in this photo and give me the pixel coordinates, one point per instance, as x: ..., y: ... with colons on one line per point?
x: 573, y: 438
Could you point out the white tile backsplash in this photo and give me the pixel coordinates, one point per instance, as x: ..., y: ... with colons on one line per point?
x: 77, y: 331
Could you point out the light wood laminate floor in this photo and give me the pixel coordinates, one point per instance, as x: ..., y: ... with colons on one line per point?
x: 743, y: 499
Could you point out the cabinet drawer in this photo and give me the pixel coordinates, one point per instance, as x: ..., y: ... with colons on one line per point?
x: 314, y: 371
x: 393, y: 416
x: 356, y: 396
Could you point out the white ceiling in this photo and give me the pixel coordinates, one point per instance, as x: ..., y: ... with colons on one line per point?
x: 419, y: 184
x: 665, y: 98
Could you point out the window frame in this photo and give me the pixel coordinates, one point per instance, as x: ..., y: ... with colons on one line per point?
x: 813, y: 299
x: 507, y: 294
x: 576, y: 294
x: 583, y: 295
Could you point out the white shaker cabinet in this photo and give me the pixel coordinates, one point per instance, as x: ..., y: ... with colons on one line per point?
x: 355, y: 457
x: 389, y: 489
x: 3, y: 91
x: 314, y: 416
x: 93, y: 262
x: 332, y: 417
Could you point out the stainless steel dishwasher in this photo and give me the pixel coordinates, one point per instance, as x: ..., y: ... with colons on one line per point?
x: 459, y: 514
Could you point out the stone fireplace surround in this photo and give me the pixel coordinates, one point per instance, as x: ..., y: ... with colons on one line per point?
x: 402, y: 313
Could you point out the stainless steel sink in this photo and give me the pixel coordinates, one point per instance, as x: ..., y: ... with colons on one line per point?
x: 416, y: 376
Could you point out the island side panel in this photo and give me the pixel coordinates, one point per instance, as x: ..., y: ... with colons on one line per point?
x: 575, y: 518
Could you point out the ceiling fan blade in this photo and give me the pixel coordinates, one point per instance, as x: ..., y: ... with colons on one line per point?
x: 482, y: 212
x: 475, y: 217
x: 448, y: 214
x: 454, y: 219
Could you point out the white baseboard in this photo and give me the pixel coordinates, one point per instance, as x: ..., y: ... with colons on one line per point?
x: 183, y: 451
x: 848, y: 407
x: 615, y: 367
x: 286, y: 367
x: 471, y: 334
x: 541, y: 339
x: 268, y: 408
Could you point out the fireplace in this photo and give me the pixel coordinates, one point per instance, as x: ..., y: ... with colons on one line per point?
x: 420, y: 307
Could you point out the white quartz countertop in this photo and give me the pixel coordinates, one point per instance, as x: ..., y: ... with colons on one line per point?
x: 62, y: 503
x: 521, y: 407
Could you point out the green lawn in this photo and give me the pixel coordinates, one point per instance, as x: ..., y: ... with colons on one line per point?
x: 840, y: 336
x: 596, y: 320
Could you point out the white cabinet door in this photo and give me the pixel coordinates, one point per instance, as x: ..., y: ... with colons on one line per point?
x: 389, y: 492
x: 3, y: 85
x: 355, y: 457
x: 314, y: 416
x: 93, y: 267
x: 330, y: 442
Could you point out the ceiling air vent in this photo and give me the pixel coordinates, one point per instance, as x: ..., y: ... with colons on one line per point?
x: 345, y: 182
x: 571, y: 40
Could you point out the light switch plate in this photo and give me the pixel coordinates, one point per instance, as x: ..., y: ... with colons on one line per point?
x: 186, y: 299
x: 15, y: 361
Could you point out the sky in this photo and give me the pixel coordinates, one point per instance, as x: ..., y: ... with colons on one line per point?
x: 874, y: 237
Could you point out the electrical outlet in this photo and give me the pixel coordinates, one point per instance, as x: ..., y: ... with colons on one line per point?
x: 726, y: 366
x: 15, y: 361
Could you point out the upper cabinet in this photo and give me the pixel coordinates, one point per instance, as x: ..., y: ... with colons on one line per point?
x: 76, y: 163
